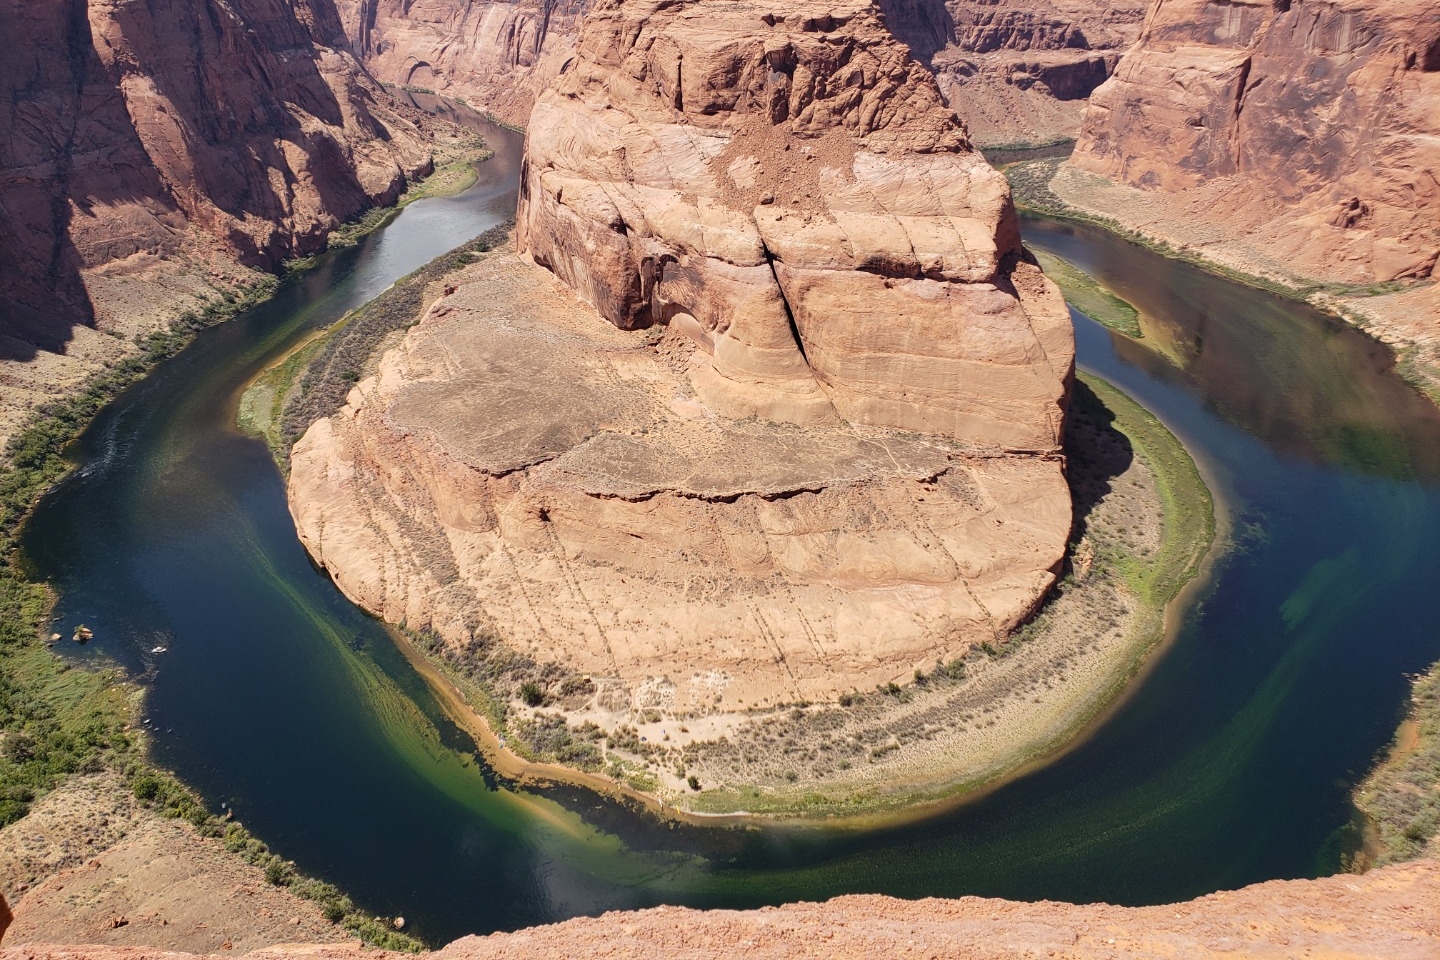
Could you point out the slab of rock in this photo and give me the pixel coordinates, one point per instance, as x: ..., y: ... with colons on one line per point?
x: 816, y: 445
x: 786, y: 186
x: 1311, y: 128
x: 1388, y: 914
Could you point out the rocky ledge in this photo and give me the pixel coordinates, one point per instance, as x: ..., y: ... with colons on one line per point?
x: 1393, y: 913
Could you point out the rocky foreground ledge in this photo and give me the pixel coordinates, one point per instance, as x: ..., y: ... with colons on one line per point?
x: 1392, y: 913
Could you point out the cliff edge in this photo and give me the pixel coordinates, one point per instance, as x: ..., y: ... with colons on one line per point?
x: 1392, y: 913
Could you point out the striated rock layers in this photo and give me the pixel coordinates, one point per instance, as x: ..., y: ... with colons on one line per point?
x: 134, y: 133
x: 1308, y: 128
x: 791, y: 192
x: 1392, y: 914
x: 814, y: 448
x: 497, y: 55
x: 1018, y: 71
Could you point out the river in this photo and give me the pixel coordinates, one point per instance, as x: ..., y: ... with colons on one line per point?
x: 1231, y: 763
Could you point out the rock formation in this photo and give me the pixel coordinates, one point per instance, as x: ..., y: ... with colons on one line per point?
x: 1308, y: 128
x: 1015, y: 73
x: 816, y: 446
x: 1389, y: 914
x: 497, y: 55
x: 1018, y: 71
x: 791, y: 192
x: 139, y: 141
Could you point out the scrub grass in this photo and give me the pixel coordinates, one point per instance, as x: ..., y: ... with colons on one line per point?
x: 1401, y: 798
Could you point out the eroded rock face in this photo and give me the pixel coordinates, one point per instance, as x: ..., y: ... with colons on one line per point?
x: 1311, y: 126
x: 788, y: 188
x: 133, y: 133
x: 497, y: 55
x: 518, y: 469
x: 1018, y: 71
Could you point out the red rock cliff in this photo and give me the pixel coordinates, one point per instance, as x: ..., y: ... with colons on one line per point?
x: 1316, y: 123
x: 1017, y: 71
x: 134, y: 133
x: 499, y: 56
x: 787, y: 186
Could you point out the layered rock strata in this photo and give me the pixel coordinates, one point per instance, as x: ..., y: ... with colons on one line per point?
x: 1392, y: 913
x: 1017, y: 72
x: 790, y: 191
x: 1308, y: 129
x: 497, y: 55
x: 519, y: 469
x: 151, y: 153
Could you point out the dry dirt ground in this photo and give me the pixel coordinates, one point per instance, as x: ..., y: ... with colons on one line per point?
x: 137, y: 297
x: 1392, y: 913
x: 90, y: 865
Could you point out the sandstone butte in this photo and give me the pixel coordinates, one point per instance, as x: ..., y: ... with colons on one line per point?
x: 1290, y: 138
x: 152, y: 154
x: 814, y: 448
x: 1391, y: 913
x: 1017, y: 72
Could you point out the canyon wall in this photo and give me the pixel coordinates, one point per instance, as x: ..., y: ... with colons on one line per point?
x: 1017, y: 71
x: 1308, y: 128
x: 152, y: 151
x: 496, y: 55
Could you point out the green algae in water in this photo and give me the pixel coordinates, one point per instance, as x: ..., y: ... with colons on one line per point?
x: 1087, y: 295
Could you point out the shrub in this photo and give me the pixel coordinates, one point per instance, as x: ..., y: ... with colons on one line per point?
x: 531, y: 694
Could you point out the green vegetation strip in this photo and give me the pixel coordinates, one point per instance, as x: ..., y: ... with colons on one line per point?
x: 58, y: 719
x: 1401, y: 798
x: 1086, y: 294
x: 1188, y: 528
